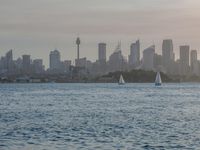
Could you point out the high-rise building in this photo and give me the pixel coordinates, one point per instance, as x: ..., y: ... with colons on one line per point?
x: 9, y: 61
x: 81, y: 62
x: 117, y: 62
x: 148, y: 58
x: 102, y: 52
x: 38, y: 66
x: 18, y: 63
x: 54, y: 63
x: 167, y: 54
x: 26, y: 63
x: 89, y: 65
x: 134, y: 57
x: 3, y: 65
x: 193, y: 61
x: 184, y: 59
x: 193, y: 57
x: 66, y: 65
x: 158, y: 62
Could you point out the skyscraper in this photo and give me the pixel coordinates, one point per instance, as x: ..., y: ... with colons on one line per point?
x: 38, y: 66
x: 9, y: 61
x: 3, y: 65
x: 102, y: 52
x: 193, y: 61
x: 82, y: 62
x: 18, y: 64
x: 117, y: 62
x: 66, y: 65
x: 54, y: 58
x: 26, y: 63
x: 134, y: 57
x: 167, y: 53
x: 148, y: 58
x: 158, y: 62
x: 193, y: 57
x: 184, y: 59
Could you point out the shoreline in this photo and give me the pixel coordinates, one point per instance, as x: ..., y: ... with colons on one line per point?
x: 98, y: 82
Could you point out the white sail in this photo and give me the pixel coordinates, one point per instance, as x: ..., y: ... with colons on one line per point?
x: 121, y: 80
x: 158, y: 80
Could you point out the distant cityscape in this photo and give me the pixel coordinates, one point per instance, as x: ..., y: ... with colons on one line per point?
x: 24, y: 67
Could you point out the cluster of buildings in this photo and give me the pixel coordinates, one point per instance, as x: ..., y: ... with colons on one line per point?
x: 23, y: 65
x: 186, y: 65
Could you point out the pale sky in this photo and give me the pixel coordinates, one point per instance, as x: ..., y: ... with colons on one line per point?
x: 38, y: 26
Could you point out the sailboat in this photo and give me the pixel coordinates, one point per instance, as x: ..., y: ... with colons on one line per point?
x: 121, y: 80
x: 158, y: 80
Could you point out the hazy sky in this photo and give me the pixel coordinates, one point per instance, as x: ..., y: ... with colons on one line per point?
x: 38, y: 26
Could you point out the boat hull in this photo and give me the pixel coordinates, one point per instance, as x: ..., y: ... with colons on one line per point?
x: 121, y: 83
x: 158, y: 84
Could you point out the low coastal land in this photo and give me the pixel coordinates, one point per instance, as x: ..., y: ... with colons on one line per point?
x: 133, y: 76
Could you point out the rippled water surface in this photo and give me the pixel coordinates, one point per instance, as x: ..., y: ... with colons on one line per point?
x: 99, y: 116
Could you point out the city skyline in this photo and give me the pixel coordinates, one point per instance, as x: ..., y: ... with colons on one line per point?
x: 99, y: 74
x: 109, y: 50
x: 37, y: 27
x: 150, y: 60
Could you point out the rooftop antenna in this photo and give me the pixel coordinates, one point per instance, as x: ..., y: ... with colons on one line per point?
x: 55, y: 46
x: 153, y: 42
x: 120, y: 44
x: 118, y: 47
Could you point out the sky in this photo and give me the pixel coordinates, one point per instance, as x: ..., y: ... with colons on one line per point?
x: 36, y: 27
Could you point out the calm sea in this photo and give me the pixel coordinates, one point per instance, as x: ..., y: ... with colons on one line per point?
x: 99, y: 116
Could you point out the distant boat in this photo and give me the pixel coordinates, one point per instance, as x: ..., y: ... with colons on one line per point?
x: 121, y: 80
x: 158, y: 80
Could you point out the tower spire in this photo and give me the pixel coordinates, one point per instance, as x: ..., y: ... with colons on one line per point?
x: 78, y: 42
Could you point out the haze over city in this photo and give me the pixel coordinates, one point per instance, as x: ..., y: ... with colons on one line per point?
x: 99, y: 74
x: 37, y: 27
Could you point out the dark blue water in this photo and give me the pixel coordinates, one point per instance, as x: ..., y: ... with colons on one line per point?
x: 99, y: 116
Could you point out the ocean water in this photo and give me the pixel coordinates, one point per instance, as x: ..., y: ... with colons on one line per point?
x: 99, y: 116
